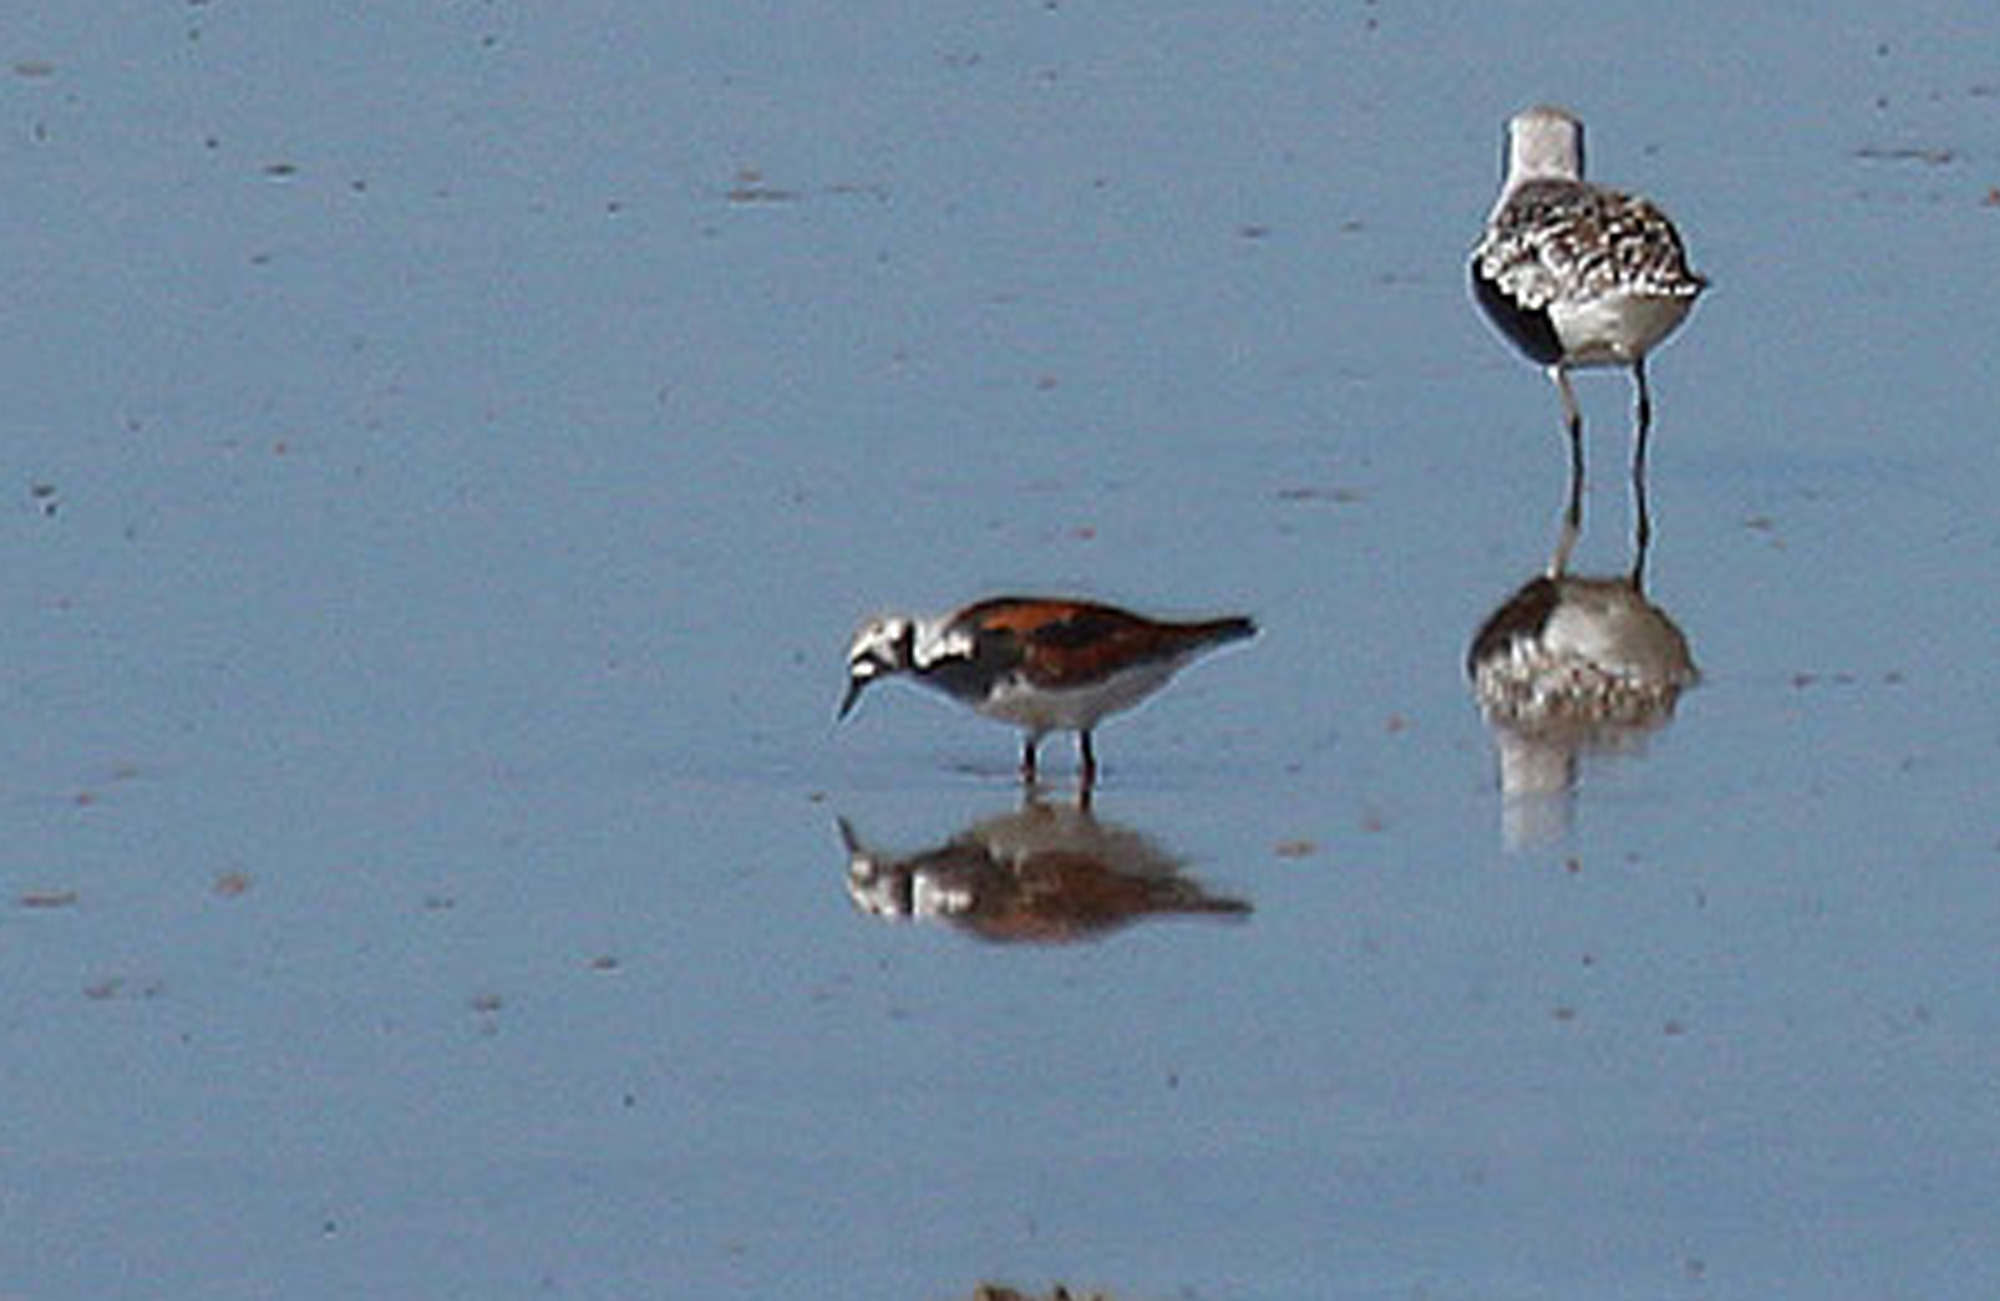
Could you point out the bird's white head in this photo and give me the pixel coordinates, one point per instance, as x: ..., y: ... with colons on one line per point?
x: 882, y: 646
x: 1544, y: 144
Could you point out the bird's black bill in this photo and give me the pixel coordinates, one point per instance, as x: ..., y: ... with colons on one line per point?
x: 855, y: 686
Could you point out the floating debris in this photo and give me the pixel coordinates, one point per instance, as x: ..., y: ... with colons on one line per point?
x: 1906, y: 154
x: 116, y: 987
x: 47, y: 899
x: 1001, y: 1292
x: 750, y: 187
x: 1309, y: 492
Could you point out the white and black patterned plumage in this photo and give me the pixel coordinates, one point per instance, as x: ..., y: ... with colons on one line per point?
x: 1577, y: 275
x: 1573, y: 273
x: 1042, y: 664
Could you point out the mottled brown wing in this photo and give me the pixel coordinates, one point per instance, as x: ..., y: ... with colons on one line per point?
x: 1564, y: 239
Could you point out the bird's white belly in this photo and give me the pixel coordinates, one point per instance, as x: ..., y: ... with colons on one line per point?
x: 1038, y: 709
x: 1615, y: 329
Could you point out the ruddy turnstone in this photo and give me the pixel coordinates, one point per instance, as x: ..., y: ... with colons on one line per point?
x: 1577, y: 275
x: 1044, y: 664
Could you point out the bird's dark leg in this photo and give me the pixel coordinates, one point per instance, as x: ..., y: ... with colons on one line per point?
x: 1028, y: 746
x: 1642, y: 517
x: 1088, y: 755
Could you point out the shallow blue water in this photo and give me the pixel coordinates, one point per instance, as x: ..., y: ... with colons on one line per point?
x: 448, y: 451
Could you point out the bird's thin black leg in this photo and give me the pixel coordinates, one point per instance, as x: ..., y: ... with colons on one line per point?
x: 1088, y: 755
x: 1642, y: 516
x: 1029, y: 744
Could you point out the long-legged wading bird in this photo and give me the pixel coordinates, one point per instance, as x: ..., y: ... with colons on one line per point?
x: 1043, y: 664
x: 1577, y: 275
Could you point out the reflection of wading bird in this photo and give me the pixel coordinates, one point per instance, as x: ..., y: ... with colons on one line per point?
x: 1043, y: 664
x: 1579, y: 276
x: 1568, y: 665
x: 1582, y: 656
x: 1046, y: 873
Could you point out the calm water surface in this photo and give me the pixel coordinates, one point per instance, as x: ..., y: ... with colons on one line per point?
x: 448, y: 449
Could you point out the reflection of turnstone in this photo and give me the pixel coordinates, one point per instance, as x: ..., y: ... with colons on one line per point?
x: 1576, y: 275
x: 1043, y: 664
x: 1046, y: 873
